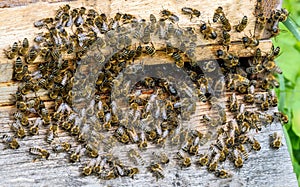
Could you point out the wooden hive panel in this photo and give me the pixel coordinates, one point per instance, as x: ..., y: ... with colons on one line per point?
x: 261, y: 169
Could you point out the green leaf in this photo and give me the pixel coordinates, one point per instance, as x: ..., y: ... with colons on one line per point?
x: 296, y: 120
x: 297, y: 46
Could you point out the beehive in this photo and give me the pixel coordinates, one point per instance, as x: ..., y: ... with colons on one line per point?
x: 63, y: 173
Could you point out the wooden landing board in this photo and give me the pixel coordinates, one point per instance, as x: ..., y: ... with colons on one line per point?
x: 267, y: 167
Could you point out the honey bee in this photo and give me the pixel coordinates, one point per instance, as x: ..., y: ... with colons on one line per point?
x: 121, y: 134
x: 62, y: 147
x: 32, y: 54
x: 22, y: 120
x: 260, y: 21
x: 166, y: 14
x: 156, y: 170
x: 162, y: 157
x: 191, y: 12
x: 254, y: 144
x: 271, y: 66
x: 178, y: 59
x: 132, y: 171
x: 243, y: 150
x: 242, y: 25
x: 213, y: 165
x: 225, y: 23
x: 39, y: 152
x: 233, y: 103
x: 75, y: 155
x: 18, y: 129
x: 276, y: 140
x: 34, y: 129
x: 185, y: 161
x: 218, y: 12
x: 250, y: 42
x: 143, y: 141
x: 135, y: 156
x: 10, y: 141
x: 204, y: 159
x: 274, y: 53
x: 283, y: 118
x: 87, y: 170
x: 270, y: 78
x: 150, y: 50
x: 222, y: 173
x: 24, y: 47
x: 12, y: 52
x: 226, y: 38
x: 91, y: 150
x: 238, y: 161
x: 249, y: 98
x: 208, y: 31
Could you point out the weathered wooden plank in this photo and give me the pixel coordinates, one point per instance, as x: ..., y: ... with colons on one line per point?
x: 261, y: 169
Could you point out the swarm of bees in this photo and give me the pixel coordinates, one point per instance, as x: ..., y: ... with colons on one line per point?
x: 105, y: 96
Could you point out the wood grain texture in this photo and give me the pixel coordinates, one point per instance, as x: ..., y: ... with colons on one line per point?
x: 267, y: 167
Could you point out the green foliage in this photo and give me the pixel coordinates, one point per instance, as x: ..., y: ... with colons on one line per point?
x: 289, y: 91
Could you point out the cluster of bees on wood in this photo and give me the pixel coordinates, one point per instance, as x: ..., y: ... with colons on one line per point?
x: 105, y: 97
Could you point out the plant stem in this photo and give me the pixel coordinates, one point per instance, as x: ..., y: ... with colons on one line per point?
x: 292, y: 26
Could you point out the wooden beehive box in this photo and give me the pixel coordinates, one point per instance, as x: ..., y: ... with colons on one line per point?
x: 264, y: 168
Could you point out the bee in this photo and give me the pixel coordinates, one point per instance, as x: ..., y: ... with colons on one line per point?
x: 62, y: 147
x: 18, y: 129
x: 276, y: 140
x: 283, y: 118
x: 162, y: 157
x: 12, y: 52
x: 255, y: 145
x: 156, y: 170
x: 143, y: 144
x: 250, y: 42
x: 87, y: 170
x: 238, y: 161
x: 24, y: 47
x: 225, y: 23
x: 191, y: 12
x: 226, y: 38
x: 204, y: 159
x: 274, y: 53
x: 249, y: 98
x: 222, y: 173
x: 255, y: 69
x: 213, y: 165
x: 91, y: 150
x: 260, y: 21
x: 270, y: 78
x: 52, y: 132
x: 271, y: 66
x: 218, y: 12
x: 132, y: 171
x: 243, y: 150
x: 10, y: 141
x: 208, y: 31
x: 178, y: 59
x: 230, y: 60
x: 75, y: 155
x: 185, y: 161
x: 45, y: 116
x: 242, y: 25
x: 21, y: 105
x: 150, y: 50
x: 34, y: 129
x: 39, y: 152
x: 32, y: 54
x: 135, y: 156
x: 121, y: 134
x: 233, y: 103
x: 166, y: 14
